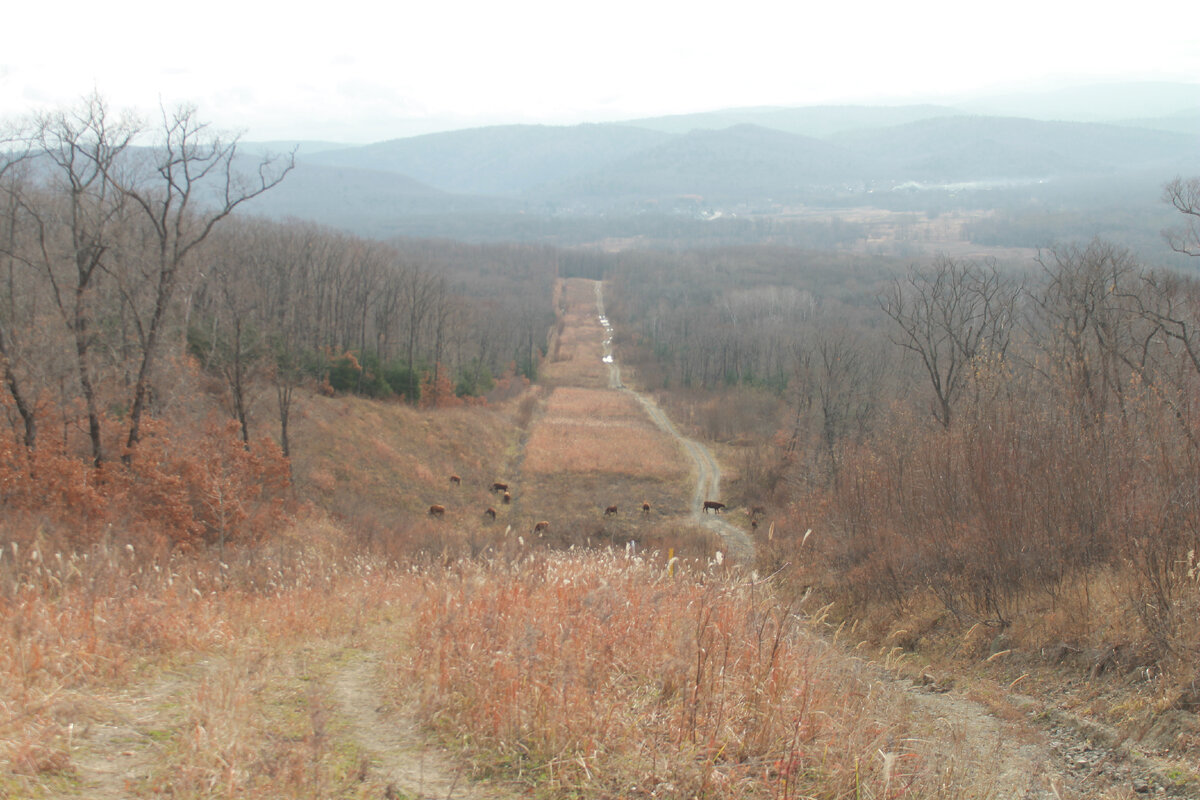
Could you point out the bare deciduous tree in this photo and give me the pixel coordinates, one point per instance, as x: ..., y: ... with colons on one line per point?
x: 1185, y: 196
x: 75, y: 224
x: 950, y: 315
x: 1083, y: 323
x: 192, y: 185
x: 13, y: 154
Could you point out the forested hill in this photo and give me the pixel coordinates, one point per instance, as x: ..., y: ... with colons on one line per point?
x: 750, y: 162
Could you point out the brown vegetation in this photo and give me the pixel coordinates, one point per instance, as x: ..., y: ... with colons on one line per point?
x: 614, y: 676
x: 1025, y: 475
x: 556, y: 448
x: 1039, y: 514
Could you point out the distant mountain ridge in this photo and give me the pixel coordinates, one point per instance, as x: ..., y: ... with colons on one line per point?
x: 754, y: 160
x: 815, y: 121
x: 504, y: 160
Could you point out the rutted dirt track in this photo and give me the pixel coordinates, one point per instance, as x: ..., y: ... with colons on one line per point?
x: 708, y: 474
x: 402, y: 760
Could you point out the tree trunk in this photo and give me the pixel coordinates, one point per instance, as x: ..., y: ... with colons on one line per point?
x: 28, y: 417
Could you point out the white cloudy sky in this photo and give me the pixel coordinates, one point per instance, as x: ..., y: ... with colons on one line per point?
x: 360, y: 70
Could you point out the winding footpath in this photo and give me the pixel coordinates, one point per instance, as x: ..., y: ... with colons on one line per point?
x: 708, y: 474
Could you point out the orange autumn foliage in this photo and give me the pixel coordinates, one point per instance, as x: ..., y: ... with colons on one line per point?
x: 183, y: 487
x: 210, y: 487
x: 439, y: 392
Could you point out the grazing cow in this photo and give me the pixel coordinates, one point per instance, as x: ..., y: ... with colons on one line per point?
x: 455, y: 480
x: 753, y: 524
x: 645, y: 509
x: 506, y: 499
x: 541, y: 526
x: 611, y: 511
x: 714, y: 505
x: 437, y: 511
x: 499, y: 487
x: 757, y: 511
x: 490, y: 512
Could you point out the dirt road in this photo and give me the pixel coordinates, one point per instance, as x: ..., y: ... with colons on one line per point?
x: 708, y: 474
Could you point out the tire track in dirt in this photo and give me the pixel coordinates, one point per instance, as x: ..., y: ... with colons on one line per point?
x: 116, y: 753
x: 708, y: 474
x: 410, y: 767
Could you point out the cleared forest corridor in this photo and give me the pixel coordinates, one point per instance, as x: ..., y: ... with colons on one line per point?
x: 708, y: 473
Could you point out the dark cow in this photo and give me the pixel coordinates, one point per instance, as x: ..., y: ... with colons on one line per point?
x: 714, y: 505
x: 645, y: 509
x: 506, y: 499
x: 455, y: 480
x: 490, y: 512
x: 499, y: 487
x: 611, y: 511
x: 541, y: 526
x: 437, y: 511
x: 757, y: 511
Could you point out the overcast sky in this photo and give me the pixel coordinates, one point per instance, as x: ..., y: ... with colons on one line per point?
x: 357, y: 71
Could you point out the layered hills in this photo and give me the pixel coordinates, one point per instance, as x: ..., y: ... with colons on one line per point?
x: 742, y: 162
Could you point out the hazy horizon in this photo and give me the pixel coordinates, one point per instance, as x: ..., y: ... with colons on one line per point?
x: 1028, y: 98
x: 356, y: 74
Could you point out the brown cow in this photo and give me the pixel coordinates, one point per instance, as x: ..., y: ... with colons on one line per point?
x: 499, y: 487
x: 645, y: 509
x: 611, y: 511
x: 541, y: 526
x: 455, y: 480
x: 437, y: 511
x: 714, y: 505
x: 490, y: 512
x: 757, y: 511
x: 506, y: 499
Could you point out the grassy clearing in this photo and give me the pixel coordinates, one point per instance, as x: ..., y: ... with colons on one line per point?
x: 614, y: 407
x: 379, y: 467
x: 577, y: 346
x: 594, y: 447
x: 599, y: 447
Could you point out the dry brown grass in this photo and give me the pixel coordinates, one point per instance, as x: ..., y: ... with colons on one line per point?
x: 380, y: 466
x: 92, y: 633
x: 594, y: 447
x: 599, y: 447
x: 568, y: 403
x: 611, y: 676
x: 577, y: 347
x: 581, y: 369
